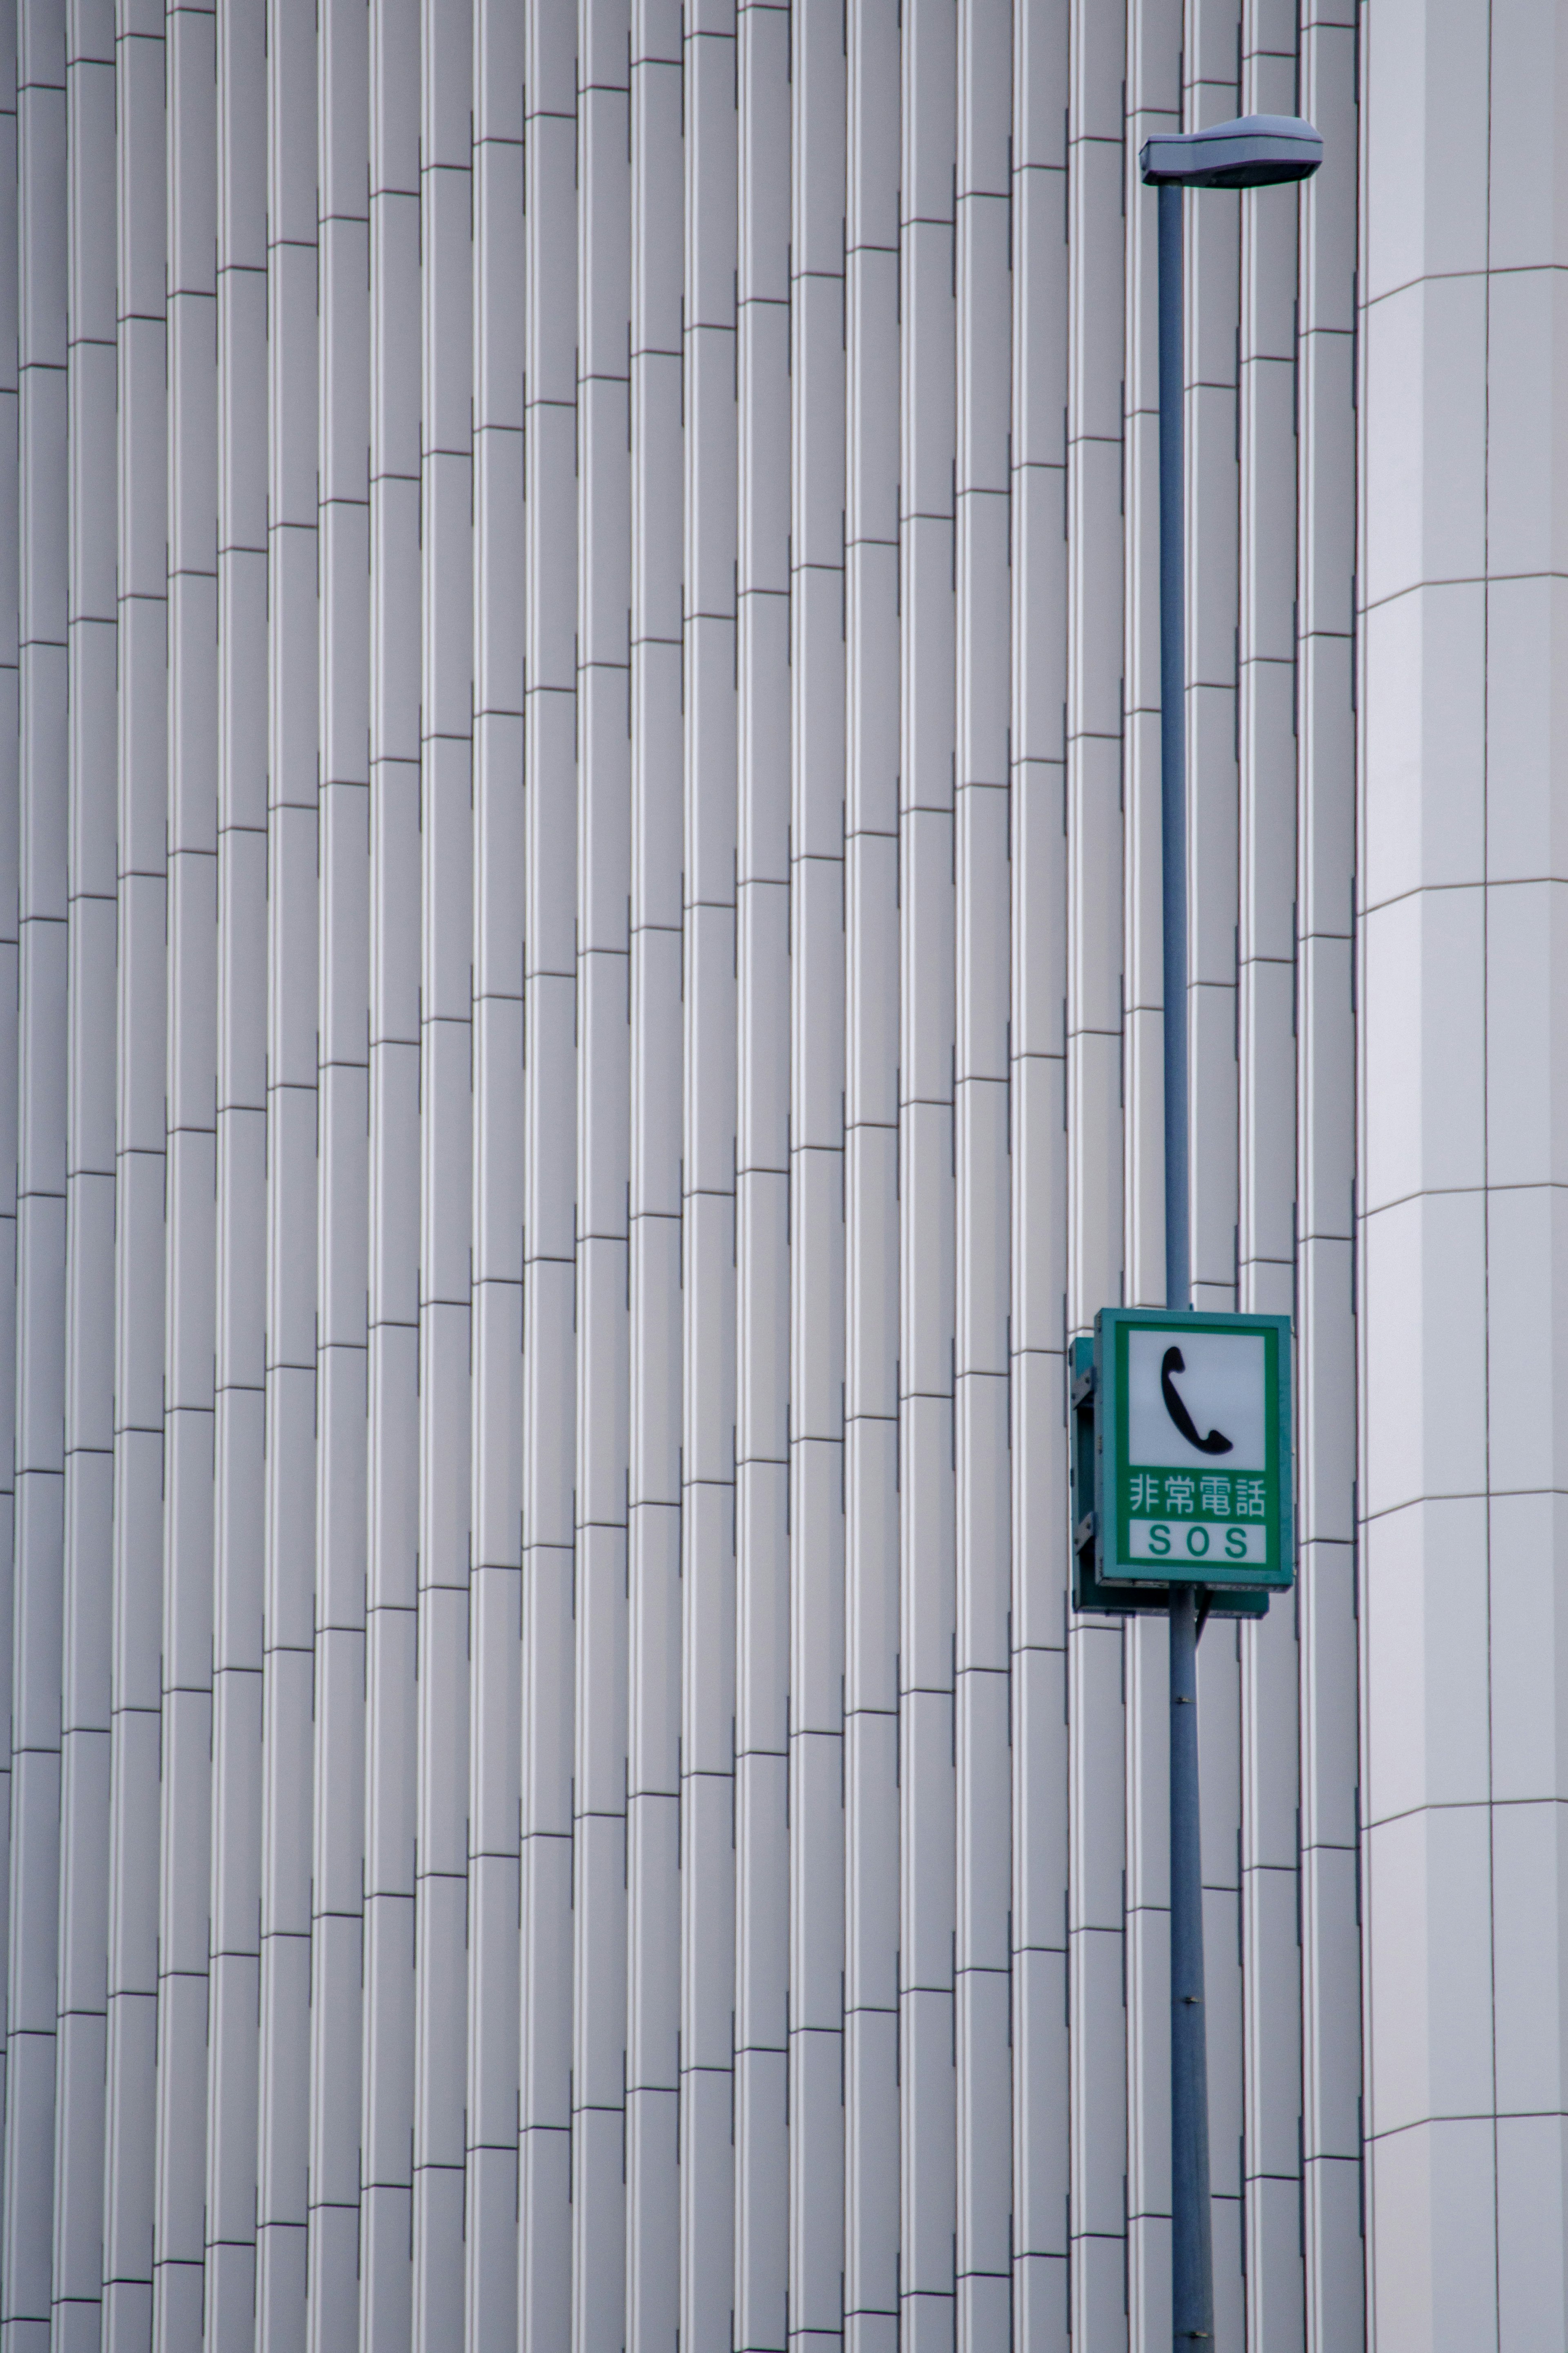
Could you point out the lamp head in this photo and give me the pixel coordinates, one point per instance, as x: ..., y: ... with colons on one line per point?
x: 1257, y: 152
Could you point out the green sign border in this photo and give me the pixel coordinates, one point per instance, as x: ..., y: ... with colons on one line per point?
x: 1113, y: 1566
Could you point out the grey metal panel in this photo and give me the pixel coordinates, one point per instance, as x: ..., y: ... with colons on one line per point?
x: 288, y: 1609
x: 445, y: 843
x: 602, y: 1113
x: 33, y: 1854
x: 129, y: 2152
x: 817, y: 1180
x: 926, y: 1177
x: 337, y: 1971
x: 234, y: 1902
x: 983, y: 945
x: 653, y: 1799
x: 10, y: 799
x: 1037, y: 1137
x: 762, y: 1187
x: 90, y: 1188
x: 871, y: 984
x: 190, y: 1092
x: 708, y: 1181
x: 1093, y: 986
x: 1156, y: 98
x: 1332, y: 2220
x: 496, y: 1508
x: 1271, y: 1730
x: 549, y: 1017
x: 392, y: 1221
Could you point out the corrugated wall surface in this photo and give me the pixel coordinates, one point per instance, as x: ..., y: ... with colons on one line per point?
x: 579, y: 894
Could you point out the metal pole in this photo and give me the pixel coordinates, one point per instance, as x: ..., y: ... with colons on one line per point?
x: 1172, y: 753
x: 1192, y: 2260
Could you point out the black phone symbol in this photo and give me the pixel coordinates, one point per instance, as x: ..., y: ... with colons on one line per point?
x: 1216, y: 1441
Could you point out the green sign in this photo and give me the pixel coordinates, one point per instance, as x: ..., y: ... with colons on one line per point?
x: 1191, y: 1454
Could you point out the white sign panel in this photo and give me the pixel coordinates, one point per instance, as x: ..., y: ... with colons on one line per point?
x: 1198, y: 1398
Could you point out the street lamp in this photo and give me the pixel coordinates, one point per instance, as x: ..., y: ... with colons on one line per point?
x: 1257, y: 152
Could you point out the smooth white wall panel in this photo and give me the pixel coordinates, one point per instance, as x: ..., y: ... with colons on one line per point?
x: 1458, y: 875
x: 588, y: 1030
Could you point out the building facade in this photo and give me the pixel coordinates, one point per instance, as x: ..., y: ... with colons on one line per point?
x: 581, y: 990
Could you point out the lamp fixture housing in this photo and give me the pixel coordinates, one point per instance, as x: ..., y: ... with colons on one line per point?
x: 1256, y: 150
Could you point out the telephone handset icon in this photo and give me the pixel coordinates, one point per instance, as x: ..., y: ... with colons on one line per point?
x: 1215, y: 1442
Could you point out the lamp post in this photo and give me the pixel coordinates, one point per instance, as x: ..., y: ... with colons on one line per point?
x: 1257, y: 152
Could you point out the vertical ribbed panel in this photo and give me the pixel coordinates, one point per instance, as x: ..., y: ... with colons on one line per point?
x: 342, y: 1098
x: 393, y: 1219
x: 1271, y: 2033
x: 446, y: 1065
x: 10, y: 804
x: 1154, y: 104
x: 1332, y: 2215
x: 816, y: 1415
x: 32, y: 1962
x: 1210, y: 55
x: 762, y: 1191
x: 1093, y: 984
x: 548, y: 1211
x: 587, y: 1029
x: 981, y: 1957
x: 653, y: 1793
x: 604, y: 1000
x: 872, y: 997
x: 289, y: 1604
x: 135, y: 1858
x: 708, y: 1187
x: 89, y: 1187
x: 1036, y: 1116
x: 927, y: 771
x: 238, y: 1421
x: 495, y: 1578
x: 191, y: 1191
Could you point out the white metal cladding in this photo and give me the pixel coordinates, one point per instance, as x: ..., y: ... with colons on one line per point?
x: 580, y: 898
x: 1460, y: 889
